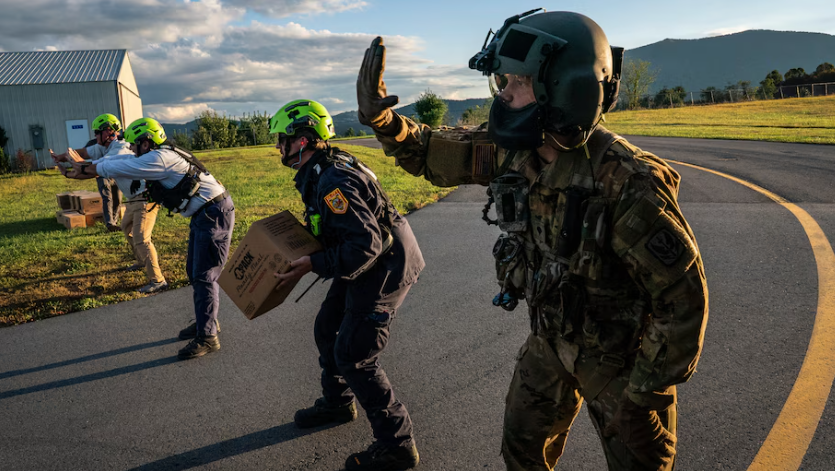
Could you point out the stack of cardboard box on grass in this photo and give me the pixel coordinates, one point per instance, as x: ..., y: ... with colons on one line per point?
x: 79, y: 208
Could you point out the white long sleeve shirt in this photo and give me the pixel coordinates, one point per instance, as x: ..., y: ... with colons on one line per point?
x: 166, y: 167
x: 125, y: 184
x: 115, y: 147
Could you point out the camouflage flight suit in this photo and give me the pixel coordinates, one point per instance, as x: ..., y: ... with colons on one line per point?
x: 618, y: 307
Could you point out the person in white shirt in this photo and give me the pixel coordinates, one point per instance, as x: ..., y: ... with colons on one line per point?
x: 106, y: 128
x: 180, y: 183
x: 140, y: 217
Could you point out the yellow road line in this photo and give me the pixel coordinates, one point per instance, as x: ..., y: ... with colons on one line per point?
x: 786, y: 444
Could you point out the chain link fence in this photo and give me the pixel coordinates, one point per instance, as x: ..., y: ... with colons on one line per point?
x: 675, y: 98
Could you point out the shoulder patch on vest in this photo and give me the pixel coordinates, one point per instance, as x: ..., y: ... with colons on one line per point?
x: 665, y: 247
x: 337, y: 202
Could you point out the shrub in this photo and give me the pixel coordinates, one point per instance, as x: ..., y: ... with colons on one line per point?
x: 24, y: 161
x: 431, y: 109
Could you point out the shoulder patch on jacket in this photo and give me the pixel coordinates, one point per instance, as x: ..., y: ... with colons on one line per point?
x: 666, y: 247
x: 337, y: 202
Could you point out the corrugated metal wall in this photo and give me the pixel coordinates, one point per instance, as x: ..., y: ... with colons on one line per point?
x: 51, y: 106
x: 131, y: 105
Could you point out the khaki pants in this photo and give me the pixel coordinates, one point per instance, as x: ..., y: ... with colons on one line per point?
x: 137, y: 225
x: 544, y: 400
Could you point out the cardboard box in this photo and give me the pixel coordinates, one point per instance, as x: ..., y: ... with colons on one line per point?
x: 91, y: 219
x: 64, y: 200
x: 86, y: 202
x: 269, y: 247
x: 71, y: 219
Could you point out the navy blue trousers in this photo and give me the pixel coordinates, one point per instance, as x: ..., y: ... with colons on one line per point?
x: 208, y: 248
x: 352, y: 330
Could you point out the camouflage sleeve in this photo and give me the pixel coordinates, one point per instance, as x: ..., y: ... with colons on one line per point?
x: 447, y: 157
x: 654, y: 240
x: 403, y: 139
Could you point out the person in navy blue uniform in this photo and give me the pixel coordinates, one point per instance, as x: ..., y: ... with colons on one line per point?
x: 373, y: 258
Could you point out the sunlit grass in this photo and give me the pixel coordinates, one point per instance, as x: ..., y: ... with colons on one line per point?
x: 806, y: 120
x: 46, y: 270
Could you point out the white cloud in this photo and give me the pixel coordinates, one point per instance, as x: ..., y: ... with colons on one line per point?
x: 726, y: 31
x: 176, y: 113
x: 197, y: 56
x: 284, y: 8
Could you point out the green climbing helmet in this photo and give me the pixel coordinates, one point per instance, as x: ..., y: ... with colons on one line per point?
x: 303, y: 114
x: 145, y: 128
x: 107, y: 119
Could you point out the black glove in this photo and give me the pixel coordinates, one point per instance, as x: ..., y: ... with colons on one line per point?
x: 372, y: 99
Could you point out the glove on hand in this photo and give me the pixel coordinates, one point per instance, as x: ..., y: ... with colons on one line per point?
x: 641, y: 430
x: 372, y: 98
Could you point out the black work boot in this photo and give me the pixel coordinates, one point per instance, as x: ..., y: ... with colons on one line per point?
x: 191, y: 331
x: 199, y: 346
x: 380, y: 457
x: 323, y: 413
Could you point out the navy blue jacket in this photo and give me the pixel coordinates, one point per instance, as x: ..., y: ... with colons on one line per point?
x: 352, y: 211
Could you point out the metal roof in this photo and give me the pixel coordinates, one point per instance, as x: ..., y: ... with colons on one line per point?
x: 43, y: 67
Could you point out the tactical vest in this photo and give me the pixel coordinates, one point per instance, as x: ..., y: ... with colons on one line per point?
x: 177, y: 198
x: 576, y: 286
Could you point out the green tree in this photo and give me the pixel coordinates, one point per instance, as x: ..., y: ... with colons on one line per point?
x: 824, y: 68
x: 349, y: 132
x: 767, y: 89
x: 796, y: 74
x: 255, y: 129
x: 638, y: 77
x: 476, y: 115
x: 775, y: 76
x: 182, y: 140
x: 362, y: 132
x: 670, y: 96
x: 430, y: 109
x: 214, y: 131
x: 5, y: 165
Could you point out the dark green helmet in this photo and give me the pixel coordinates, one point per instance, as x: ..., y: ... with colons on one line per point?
x: 575, y: 73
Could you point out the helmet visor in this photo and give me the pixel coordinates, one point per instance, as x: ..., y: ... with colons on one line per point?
x: 499, y: 82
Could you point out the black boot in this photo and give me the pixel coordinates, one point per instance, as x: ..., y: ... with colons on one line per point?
x: 323, y: 413
x: 199, y: 346
x: 191, y: 331
x: 380, y: 457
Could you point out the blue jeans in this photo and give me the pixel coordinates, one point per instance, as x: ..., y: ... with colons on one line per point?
x: 208, y: 247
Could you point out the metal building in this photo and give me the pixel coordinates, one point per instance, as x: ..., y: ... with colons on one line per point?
x: 49, y: 99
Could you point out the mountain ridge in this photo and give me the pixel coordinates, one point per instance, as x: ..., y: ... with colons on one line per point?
x: 718, y: 61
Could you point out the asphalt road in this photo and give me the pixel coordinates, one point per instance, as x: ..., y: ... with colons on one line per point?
x: 102, y: 389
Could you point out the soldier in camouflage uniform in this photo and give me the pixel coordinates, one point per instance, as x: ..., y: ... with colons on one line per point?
x: 594, y: 240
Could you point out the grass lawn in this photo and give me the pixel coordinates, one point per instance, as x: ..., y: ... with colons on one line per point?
x: 46, y: 270
x: 807, y: 120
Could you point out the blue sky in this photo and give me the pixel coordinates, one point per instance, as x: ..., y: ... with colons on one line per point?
x: 454, y: 30
x: 237, y: 56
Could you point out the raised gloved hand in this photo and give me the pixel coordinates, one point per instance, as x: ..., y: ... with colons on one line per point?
x: 641, y: 430
x: 372, y: 99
